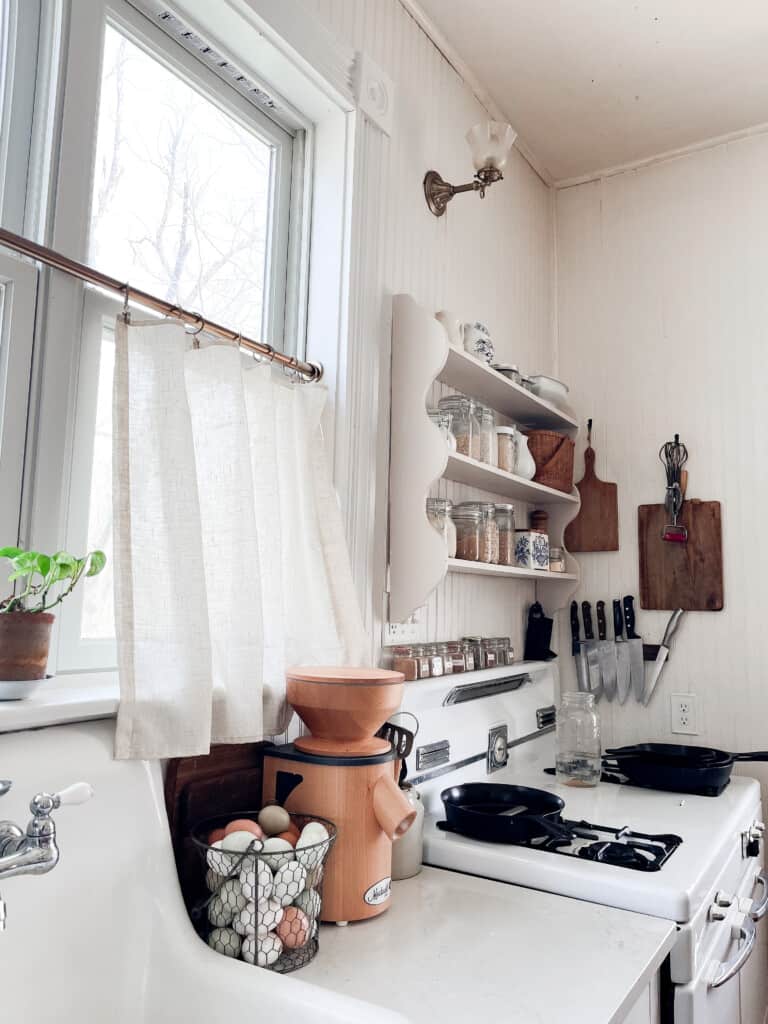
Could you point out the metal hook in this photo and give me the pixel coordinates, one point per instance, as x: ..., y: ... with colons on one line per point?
x: 126, y: 314
x: 194, y: 333
x: 292, y: 369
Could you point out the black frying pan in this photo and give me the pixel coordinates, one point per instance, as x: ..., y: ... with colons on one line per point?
x: 678, y: 767
x: 503, y: 814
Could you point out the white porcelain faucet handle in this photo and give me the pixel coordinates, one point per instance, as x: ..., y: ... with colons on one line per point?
x: 77, y: 793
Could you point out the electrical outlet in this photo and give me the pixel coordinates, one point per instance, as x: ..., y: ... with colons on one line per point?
x: 685, y: 713
x: 408, y: 632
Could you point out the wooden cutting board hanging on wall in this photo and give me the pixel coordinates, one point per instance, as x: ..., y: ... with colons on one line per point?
x: 596, y: 527
x: 687, y: 576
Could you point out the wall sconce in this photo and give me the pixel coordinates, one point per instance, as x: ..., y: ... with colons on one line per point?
x: 490, y: 142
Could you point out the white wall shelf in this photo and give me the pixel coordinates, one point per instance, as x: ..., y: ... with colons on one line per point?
x: 484, y: 569
x: 418, y: 556
x: 475, y: 378
x: 463, y: 470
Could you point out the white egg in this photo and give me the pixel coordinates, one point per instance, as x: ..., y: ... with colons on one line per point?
x: 315, y: 877
x: 308, y: 852
x: 256, y: 882
x: 219, y: 861
x: 314, y: 832
x: 290, y: 879
x: 213, y: 880
x: 231, y: 895
x: 309, y: 902
x: 219, y: 914
x: 277, y: 852
x: 245, y: 922
x: 269, y: 914
x: 263, y: 951
x: 225, y: 941
x: 239, y: 842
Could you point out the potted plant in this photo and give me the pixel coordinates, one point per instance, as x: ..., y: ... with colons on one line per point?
x: 41, y: 582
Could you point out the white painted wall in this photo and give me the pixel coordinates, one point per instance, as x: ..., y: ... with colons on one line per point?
x: 491, y: 260
x: 662, y: 319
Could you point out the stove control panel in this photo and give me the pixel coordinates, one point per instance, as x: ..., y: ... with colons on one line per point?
x: 497, y: 756
x: 751, y: 839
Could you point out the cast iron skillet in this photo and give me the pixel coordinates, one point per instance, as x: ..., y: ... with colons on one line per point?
x: 672, y: 766
x: 502, y: 814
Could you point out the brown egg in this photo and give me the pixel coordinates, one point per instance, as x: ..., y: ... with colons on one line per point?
x: 274, y: 819
x: 293, y: 929
x: 215, y: 836
x: 289, y: 836
x: 244, y: 825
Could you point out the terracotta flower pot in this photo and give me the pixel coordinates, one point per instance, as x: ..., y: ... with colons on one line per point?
x: 24, y: 641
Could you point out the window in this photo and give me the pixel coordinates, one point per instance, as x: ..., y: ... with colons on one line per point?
x: 187, y: 189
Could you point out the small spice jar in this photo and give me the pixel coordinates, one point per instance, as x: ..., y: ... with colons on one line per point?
x: 439, y: 515
x: 486, y: 420
x: 445, y: 654
x: 456, y: 654
x: 475, y: 644
x: 490, y: 653
x: 464, y: 425
x: 556, y: 560
x: 442, y: 421
x: 489, y: 534
x: 420, y: 653
x: 404, y: 660
x: 435, y: 659
x: 467, y: 522
x: 505, y: 522
x: 506, y: 448
x: 468, y: 653
x: 502, y: 648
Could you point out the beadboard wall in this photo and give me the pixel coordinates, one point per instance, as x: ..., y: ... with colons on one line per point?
x: 491, y: 260
x: 662, y: 321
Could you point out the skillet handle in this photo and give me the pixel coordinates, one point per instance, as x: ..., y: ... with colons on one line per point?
x: 751, y: 755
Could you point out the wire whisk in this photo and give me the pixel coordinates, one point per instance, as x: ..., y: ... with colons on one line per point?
x: 673, y: 456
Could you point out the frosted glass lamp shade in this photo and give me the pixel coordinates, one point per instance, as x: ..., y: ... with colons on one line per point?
x: 490, y: 142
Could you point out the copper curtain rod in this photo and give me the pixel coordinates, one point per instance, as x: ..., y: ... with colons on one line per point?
x: 311, y: 371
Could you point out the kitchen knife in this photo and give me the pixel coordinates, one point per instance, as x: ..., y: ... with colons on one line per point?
x: 623, y: 671
x: 606, y: 653
x: 582, y: 677
x: 663, y: 654
x: 636, y: 664
x: 590, y: 647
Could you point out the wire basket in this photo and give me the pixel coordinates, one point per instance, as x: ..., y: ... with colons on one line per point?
x: 263, y: 908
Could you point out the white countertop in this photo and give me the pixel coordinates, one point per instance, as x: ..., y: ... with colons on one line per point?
x: 456, y: 948
x: 66, y: 698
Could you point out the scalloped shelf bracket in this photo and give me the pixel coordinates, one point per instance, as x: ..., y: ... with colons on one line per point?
x: 418, y: 559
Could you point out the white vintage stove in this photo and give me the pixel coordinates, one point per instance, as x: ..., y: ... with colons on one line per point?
x: 694, y: 860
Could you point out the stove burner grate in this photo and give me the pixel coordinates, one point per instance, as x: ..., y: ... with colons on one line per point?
x: 620, y: 847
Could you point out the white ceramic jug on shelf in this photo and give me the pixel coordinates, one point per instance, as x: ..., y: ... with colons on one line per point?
x: 525, y: 465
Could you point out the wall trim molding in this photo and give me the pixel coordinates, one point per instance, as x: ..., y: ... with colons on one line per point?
x: 473, y: 83
x: 659, y: 158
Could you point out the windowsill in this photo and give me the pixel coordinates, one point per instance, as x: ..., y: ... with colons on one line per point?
x: 69, y: 697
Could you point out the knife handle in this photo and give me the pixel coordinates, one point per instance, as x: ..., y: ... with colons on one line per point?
x: 574, y: 628
x: 586, y: 611
x: 618, y: 621
x: 601, y: 625
x: 629, y: 618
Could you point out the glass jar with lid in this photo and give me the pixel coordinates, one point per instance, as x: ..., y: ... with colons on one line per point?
x: 467, y: 522
x: 486, y: 419
x: 505, y: 522
x: 501, y: 648
x: 506, y: 448
x: 474, y: 644
x: 489, y: 533
x: 421, y: 655
x: 490, y: 650
x: 556, y: 559
x: 442, y: 420
x: 464, y: 425
x: 435, y: 659
x: 404, y: 660
x: 439, y: 514
x: 456, y: 654
x: 468, y: 653
x: 444, y: 651
x: 577, y: 740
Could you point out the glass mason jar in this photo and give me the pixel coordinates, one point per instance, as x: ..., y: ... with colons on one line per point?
x: 577, y: 740
x: 468, y: 653
x: 444, y: 651
x: 439, y: 514
x: 474, y: 645
x: 490, y: 653
x: 404, y: 660
x: 442, y: 421
x: 486, y: 420
x: 421, y: 655
x: 502, y: 649
x: 505, y: 522
x: 456, y: 654
x: 464, y: 426
x: 467, y: 522
x: 506, y: 448
x: 489, y: 534
x: 435, y: 659
x: 556, y: 560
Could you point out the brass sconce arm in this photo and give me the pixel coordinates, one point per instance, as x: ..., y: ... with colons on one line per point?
x: 439, y: 193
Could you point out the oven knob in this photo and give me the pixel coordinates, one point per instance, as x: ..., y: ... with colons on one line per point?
x: 717, y: 913
x: 722, y: 899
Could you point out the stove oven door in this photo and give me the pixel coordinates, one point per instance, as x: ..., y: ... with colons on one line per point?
x: 721, y: 990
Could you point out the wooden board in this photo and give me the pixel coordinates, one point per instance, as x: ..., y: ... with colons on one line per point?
x: 687, y: 576
x: 596, y: 527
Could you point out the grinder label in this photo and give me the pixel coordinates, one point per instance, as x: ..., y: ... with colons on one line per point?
x: 378, y: 893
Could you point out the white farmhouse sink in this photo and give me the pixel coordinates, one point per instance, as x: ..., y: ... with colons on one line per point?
x: 105, y: 935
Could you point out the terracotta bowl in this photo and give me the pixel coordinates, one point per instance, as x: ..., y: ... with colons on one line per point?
x: 343, y: 707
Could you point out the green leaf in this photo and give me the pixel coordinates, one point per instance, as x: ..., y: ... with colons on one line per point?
x: 97, y: 562
x: 19, y: 574
x: 64, y: 566
x: 10, y: 552
x: 43, y: 564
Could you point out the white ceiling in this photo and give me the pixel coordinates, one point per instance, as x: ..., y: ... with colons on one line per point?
x: 593, y: 84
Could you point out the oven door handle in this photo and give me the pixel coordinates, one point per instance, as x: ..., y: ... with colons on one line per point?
x: 726, y: 971
x: 759, y: 910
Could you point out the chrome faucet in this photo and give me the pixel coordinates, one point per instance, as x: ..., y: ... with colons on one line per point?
x: 35, y: 852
